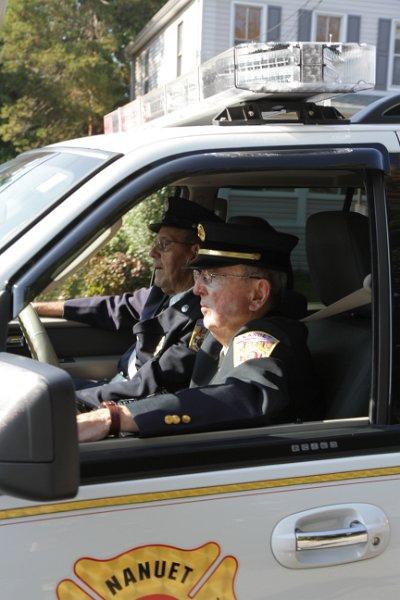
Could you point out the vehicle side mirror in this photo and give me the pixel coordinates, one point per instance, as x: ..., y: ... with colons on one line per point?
x: 39, y: 457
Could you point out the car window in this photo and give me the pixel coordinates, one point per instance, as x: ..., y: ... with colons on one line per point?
x: 123, y: 264
x: 344, y: 361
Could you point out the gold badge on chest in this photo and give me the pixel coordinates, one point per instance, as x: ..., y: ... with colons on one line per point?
x: 198, y: 335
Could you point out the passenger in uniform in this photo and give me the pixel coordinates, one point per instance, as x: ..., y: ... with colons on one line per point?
x: 166, y: 318
x: 253, y: 368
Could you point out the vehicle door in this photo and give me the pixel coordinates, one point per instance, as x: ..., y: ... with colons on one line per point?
x: 296, y: 510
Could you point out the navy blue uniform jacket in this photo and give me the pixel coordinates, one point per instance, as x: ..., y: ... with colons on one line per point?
x: 259, y: 391
x: 164, y: 359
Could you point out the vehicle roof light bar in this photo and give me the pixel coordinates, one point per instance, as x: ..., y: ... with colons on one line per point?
x: 248, y: 72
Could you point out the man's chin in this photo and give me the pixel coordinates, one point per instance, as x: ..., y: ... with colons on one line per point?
x: 207, y: 321
x: 158, y: 279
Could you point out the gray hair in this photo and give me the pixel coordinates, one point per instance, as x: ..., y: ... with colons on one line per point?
x: 276, y: 279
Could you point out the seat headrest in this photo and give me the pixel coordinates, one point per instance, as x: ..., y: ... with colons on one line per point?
x: 338, y: 253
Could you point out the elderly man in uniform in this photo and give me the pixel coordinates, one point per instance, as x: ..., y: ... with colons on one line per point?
x: 253, y: 368
x: 166, y: 318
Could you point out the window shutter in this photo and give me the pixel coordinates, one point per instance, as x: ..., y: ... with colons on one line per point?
x: 304, y: 25
x: 274, y: 23
x: 353, y: 28
x: 382, y: 53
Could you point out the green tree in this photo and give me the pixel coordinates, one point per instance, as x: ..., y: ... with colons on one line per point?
x: 63, y: 66
x: 123, y: 264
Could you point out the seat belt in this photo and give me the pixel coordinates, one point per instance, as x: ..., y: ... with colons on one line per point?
x: 356, y: 299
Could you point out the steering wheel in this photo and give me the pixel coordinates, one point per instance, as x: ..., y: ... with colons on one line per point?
x: 36, y: 336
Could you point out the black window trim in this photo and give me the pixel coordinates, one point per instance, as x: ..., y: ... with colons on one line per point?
x: 382, y: 358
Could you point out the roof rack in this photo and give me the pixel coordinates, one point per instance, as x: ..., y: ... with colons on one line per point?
x: 384, y: 110
x: 279, y: 110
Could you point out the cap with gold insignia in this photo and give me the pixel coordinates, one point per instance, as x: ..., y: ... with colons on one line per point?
x: 184, y: 214
x: 254, y: 243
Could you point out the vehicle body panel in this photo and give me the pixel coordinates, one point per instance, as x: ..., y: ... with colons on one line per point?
x: 237, y: 509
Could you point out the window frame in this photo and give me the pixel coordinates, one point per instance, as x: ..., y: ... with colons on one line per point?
x: 391, y: 85
x: 146, y: 88
x: 219, y: 450
x: 179, y: 48
x: 263, y: 17
x: 343, y: 23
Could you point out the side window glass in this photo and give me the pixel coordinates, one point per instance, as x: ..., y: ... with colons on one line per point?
x: 123, y: 264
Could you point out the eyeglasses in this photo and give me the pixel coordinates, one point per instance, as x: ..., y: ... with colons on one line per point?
x: 163, y: 244
x: 208, y: 279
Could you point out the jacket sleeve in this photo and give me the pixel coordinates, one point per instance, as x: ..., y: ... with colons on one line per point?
x: 171, y: 371
x: 114, y: 313
x: 254, y: 393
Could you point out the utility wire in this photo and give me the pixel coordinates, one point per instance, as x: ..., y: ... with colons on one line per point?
x: 303, y: 6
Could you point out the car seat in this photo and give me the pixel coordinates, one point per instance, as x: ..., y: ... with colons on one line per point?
x: 338, y: 253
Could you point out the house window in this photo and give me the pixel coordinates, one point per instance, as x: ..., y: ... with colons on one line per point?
x: 179, y: 49
x: 247, y: 23
x: 146, y: 71
x: 396, y: 56
x: 328, y: 28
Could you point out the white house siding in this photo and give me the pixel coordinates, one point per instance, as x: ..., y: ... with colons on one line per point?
x: 163, y: 49
x: 216, y: 28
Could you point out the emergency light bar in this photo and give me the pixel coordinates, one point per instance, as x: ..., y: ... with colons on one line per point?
x: 249, y: 72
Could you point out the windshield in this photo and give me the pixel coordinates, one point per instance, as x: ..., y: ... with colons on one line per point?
x: 31, y: 183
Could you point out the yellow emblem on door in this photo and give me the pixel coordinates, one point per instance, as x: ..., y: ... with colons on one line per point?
x: 155, y: 572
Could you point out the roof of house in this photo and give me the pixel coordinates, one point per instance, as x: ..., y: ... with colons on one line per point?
x: 156, y: 24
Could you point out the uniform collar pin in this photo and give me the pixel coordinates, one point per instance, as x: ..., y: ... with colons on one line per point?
x: 185, y: 308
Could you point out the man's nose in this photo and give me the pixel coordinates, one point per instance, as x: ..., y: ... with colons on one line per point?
x: 153, y: 252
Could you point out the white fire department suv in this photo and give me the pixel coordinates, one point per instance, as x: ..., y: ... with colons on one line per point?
x: 300, y: 510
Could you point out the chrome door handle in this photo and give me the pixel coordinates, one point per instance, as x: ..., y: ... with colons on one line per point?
x: 330, y: 535
x: 356, y: 533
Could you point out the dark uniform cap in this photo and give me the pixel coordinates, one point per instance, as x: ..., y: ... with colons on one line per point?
x: 184, y: 214
x: 260, y: 245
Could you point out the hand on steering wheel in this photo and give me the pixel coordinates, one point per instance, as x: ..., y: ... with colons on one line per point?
x: 36, y: 336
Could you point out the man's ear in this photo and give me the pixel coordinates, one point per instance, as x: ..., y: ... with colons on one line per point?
x: 260, y: 294
x: 193, y: 252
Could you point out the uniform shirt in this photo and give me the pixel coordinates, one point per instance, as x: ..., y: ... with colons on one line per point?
x: 165, y: 344
x: 264, y: 378
x: 132, y: 368
x: 115, y: 313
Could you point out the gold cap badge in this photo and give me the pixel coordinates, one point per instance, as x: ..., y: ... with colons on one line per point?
x: 200, y: 232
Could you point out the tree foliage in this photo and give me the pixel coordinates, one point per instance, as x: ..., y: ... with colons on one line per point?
x: 63, y: 67
x: 123, y: 264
